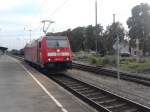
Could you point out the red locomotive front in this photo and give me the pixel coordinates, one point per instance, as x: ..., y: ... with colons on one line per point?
x: 52, y: 52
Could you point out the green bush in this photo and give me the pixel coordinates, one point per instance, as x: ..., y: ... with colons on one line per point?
x: 128, y: 64
x: 92, y: 59
x: 127, y: 60
x: 95, y: 59
x: 100, y: 61
x: 135, y: 66
x: 111, y: 60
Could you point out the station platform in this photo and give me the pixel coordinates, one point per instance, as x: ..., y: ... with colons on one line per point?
x: 23, y: 89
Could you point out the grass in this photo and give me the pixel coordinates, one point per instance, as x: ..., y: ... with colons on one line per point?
x: 134, y: 66
x: 127, y: 64
x: 101, y: 61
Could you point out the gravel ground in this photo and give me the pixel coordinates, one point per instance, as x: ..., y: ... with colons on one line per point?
x: 132, y: 91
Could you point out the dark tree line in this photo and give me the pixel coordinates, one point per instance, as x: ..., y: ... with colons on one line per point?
x: 84, y: 38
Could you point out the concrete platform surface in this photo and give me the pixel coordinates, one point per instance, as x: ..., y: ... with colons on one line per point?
x: 19, y: 92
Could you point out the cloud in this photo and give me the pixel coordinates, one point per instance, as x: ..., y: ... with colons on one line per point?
x: 10, y: 4
x: 17, y: 14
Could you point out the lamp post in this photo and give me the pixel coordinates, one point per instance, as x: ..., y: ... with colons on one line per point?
x: 96, y: 46
x: 118, y: 58
x: 137, y: 50
x: 118, y: 50
x: 29, y: 32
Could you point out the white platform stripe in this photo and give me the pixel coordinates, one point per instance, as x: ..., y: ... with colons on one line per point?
x: 44, y: 88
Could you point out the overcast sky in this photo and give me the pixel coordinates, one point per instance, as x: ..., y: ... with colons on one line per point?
x: 17, y: 14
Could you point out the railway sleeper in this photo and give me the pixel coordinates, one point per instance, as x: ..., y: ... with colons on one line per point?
x: 76, y: 86
x: 93, y: 95
x: 100, y: 98
x: 125, y: 108
x: 82, y: 89
x: 114, y: 105
x: 69, y: 83
x: 113, y: 102
x: 107, y: 101
x: 88, y: 92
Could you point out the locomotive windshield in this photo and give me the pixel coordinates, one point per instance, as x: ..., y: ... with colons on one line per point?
x: 52, y: 43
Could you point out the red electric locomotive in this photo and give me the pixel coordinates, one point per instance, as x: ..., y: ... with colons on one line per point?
x: 50, y: 52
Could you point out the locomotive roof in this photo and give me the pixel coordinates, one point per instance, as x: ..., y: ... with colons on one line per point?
x: 56, y: 37
x: 47, y: 37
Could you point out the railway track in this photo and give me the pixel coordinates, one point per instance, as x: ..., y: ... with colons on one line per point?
x: 107, y: 72
x: 101, y: 100
x: 21, y: 58
x: 113, y: 73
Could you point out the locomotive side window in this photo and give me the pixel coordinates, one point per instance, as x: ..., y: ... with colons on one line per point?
x: 39, y: 44
x: 57, y: 43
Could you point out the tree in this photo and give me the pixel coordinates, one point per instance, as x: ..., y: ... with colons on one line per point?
x: 82, y: 38
x: 110, y: 36
x: 77, y: 38
x: 139, y: 25
x: 90, y: 37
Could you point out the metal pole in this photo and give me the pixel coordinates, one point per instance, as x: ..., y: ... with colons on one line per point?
x: 30, y: 34
x: 118, y: 51
x: 96, y: 24
x: 137, y: 51
x: 114, y: 18
x: 118, y: 59
x: 44, y: 27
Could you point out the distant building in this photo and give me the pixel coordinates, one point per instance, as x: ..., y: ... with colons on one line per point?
x: 124, y: 48
x: 2, y: 49
x: 134, y: 52
x: 1, y: 52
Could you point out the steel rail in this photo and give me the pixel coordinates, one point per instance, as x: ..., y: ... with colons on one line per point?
x: 107, y: 72
x: 101, y: 100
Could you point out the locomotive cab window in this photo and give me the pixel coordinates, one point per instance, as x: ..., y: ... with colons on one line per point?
x: 56, y: 43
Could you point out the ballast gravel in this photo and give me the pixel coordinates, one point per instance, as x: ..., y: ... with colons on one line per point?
x: 133, y: 91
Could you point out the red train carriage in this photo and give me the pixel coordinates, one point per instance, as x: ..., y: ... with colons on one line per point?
x: 52, y: 52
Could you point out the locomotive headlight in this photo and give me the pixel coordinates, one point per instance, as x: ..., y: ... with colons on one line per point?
x: 67, y: 59
x: 58, y: 50
x: 51, y: 54
x: 49, y: 59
